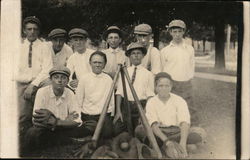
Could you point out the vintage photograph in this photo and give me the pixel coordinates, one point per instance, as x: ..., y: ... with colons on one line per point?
x: 126, y: 79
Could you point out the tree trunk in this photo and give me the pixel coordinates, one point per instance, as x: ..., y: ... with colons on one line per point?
x: 156, y: 36
x: 219, y: 44
x: 204, y: 45
x: 228, y: 38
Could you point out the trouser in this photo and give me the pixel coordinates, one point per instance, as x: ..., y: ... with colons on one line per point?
x: 196, y: 134
x: 185, y: 90
x: 87, y: 129
x: 26, y: 106
x: 39, y: 138
x: 120, y: 126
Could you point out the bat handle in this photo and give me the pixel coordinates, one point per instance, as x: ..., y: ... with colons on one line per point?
x: 145, y: 123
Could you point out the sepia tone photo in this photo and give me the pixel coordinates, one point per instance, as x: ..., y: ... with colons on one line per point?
x: 124, y: 79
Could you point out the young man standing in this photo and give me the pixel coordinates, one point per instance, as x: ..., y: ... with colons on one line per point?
x: 56, y: 112
x: 142, y: 80
x: 168, y: 115
x: 152, y: 60
x: 115, y: 55
x: 178, y: 61
x: 78, y: 62
x: 34, y: 64
x: 92, y: 93
x: 60, y: 51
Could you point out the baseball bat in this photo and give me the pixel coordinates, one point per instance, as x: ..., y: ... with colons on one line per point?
x: 145, y: 123
x: 105, y: 108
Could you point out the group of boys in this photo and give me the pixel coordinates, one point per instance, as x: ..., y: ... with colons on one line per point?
x: 62, y: 90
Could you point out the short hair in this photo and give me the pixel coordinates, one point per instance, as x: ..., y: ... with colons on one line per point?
x: 103, y: 55
x: 33, y: 20
x: 162, y: 75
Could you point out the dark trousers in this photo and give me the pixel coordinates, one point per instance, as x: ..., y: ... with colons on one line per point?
x: 26, y: 106
x: 88, y: 129
x: 172, y: 132
x: 39, y: 138
x: 185, y: 90
x: 120, y: 126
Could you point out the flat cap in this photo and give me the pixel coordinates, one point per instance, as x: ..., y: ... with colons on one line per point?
x: 177, y: 23
x: 112, y: 29
x: 60, y: 69
x: 78, y: 32
x: 143, y: 29
x: 135, y: 45
x: 32, y: 19
x: 58, y: 32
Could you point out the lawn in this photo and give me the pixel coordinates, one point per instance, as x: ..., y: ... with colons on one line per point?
x: 216, y: 103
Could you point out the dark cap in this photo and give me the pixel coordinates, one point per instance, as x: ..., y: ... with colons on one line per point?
x: 144, y: 29
x: 78, y: 32
x: 113, y: 29
x: 32, y: 19
x: 57, y: 33
x: 60, y: 69
x: 135, y: 45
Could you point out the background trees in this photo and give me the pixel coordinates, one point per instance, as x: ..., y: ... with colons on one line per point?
x: 205, y: 20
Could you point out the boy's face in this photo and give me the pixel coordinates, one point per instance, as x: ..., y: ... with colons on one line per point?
x: 59, y: 81
x: 177, y: 34
x: 143, y: 39
x: 114, y: 40
x: 79, y: 43
x: 163, y: 87
x: 97, y: 64
x: 58, y: 43
x: 136, y: 57
x: 31, y: 30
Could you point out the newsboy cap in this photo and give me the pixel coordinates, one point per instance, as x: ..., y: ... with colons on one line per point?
x: 177, y: 23
x: 32, y: 19
x: 59, y: 69
x: 143, y: 29
x: 58, y: 32
x: 113, y: 29
x: 135, y: 45
x: 78, y: 32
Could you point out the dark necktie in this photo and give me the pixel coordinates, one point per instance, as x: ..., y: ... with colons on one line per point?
x: 30, y: 55
x: 133, y: 76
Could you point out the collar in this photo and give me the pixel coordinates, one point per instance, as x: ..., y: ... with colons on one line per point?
x: 97, y: 75
x: 138, y: 67
x: 52, y: 94
x: 34, y: 42
x: 183, y: 44
x: 118, y: 49
x: 169, y: 100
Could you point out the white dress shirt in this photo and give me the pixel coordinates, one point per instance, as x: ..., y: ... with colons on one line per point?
x: 41, y: 63
x: 173, y: 112
x: 114, y: 57
x: 92, y: 93
x: 152, y: 60
x: 61, y: 57
x: 79, y: 63
x: 178, y: 61
x: 62, y: 107
x: 143, y: 84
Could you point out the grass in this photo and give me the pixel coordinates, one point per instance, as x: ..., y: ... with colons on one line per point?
x: 216, y: 71
x: 216, y: 104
